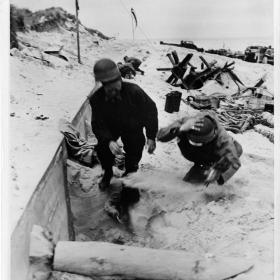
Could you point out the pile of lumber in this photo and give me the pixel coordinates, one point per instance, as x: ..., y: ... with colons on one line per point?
x: 237, y: 119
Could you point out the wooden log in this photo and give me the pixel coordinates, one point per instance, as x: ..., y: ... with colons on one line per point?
x: 57, y: 275
x: 175, y: 57
x: 164, y: 69
x: 204, y: 62
x: 106, y: 259
x: 169, y: 55
x: 181, y: 79
x: 186, y: 60
x: 170, y: 79
x: 235, y: 77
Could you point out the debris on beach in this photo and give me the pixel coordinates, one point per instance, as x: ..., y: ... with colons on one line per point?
x: 237, y: 111
x: 194, y: 79
x: 57, y: 53
x: 41, y: 117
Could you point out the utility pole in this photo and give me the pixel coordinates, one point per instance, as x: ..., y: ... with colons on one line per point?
x: 78, y: 34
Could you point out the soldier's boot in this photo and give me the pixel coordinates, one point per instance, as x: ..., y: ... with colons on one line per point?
x: 113, y: 205
x: 130, y: 169
x: 197, y: 174
x: 111, y: 208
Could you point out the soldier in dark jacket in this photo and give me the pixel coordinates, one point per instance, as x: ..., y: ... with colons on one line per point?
x: 135, y: 62
x: 121, y: 110
x: 127, y: 70
x: 205, y: 142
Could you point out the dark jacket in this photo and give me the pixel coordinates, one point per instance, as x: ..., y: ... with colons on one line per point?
x: 126, y: 69
x: 129, y: 114
x: 134, y: 61
x: 222, y: 153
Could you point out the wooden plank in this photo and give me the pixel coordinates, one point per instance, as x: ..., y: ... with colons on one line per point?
x: 205, y: 62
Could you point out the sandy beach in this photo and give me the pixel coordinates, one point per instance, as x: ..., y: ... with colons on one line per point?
x: 196, y: 219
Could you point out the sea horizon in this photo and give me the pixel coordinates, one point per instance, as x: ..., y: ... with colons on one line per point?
x: 232, y: 43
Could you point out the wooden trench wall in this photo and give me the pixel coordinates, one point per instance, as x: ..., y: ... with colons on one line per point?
x: 48, y: 206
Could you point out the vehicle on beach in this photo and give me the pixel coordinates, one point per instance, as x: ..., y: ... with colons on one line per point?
x: 188, y: 44
x: 254, y: 53
x: 223, y: 52
x: 237, y: 54
x: 191, y: 45
x: 259, y: 54
x: 269, y: 56
x: 184, y: 44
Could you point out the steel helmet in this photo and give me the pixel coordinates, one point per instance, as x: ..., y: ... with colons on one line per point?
x: 106, y: 70
x: 206, y: 133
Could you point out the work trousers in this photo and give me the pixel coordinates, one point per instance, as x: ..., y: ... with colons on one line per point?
x: 133, y: 144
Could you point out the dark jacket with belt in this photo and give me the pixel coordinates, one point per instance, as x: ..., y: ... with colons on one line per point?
x: 222, y: 153
x: 127, y: 114
x: 134, y: 61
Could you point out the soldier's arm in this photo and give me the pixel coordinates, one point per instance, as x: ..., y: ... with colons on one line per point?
x: 98, y: 124
x: 149, y: 113
x: 168, y: 133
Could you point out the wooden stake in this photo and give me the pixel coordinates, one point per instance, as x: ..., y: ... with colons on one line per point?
x: 77, y: 29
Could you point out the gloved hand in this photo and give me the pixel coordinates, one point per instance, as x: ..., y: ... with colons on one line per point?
x: 119, y: 154
x: 213, y: 175
x: 115, y: 148
x: 151, y: 145
x: 192, y: 123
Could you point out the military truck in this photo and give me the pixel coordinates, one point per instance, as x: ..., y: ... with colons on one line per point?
x: 252, y: 53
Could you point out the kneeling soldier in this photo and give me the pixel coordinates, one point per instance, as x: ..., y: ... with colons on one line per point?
x: 203, y: 141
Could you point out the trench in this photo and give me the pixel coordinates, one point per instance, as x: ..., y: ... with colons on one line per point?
x: 170, y: 216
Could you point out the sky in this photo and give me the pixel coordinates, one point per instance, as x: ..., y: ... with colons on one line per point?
x: 194, y: 19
